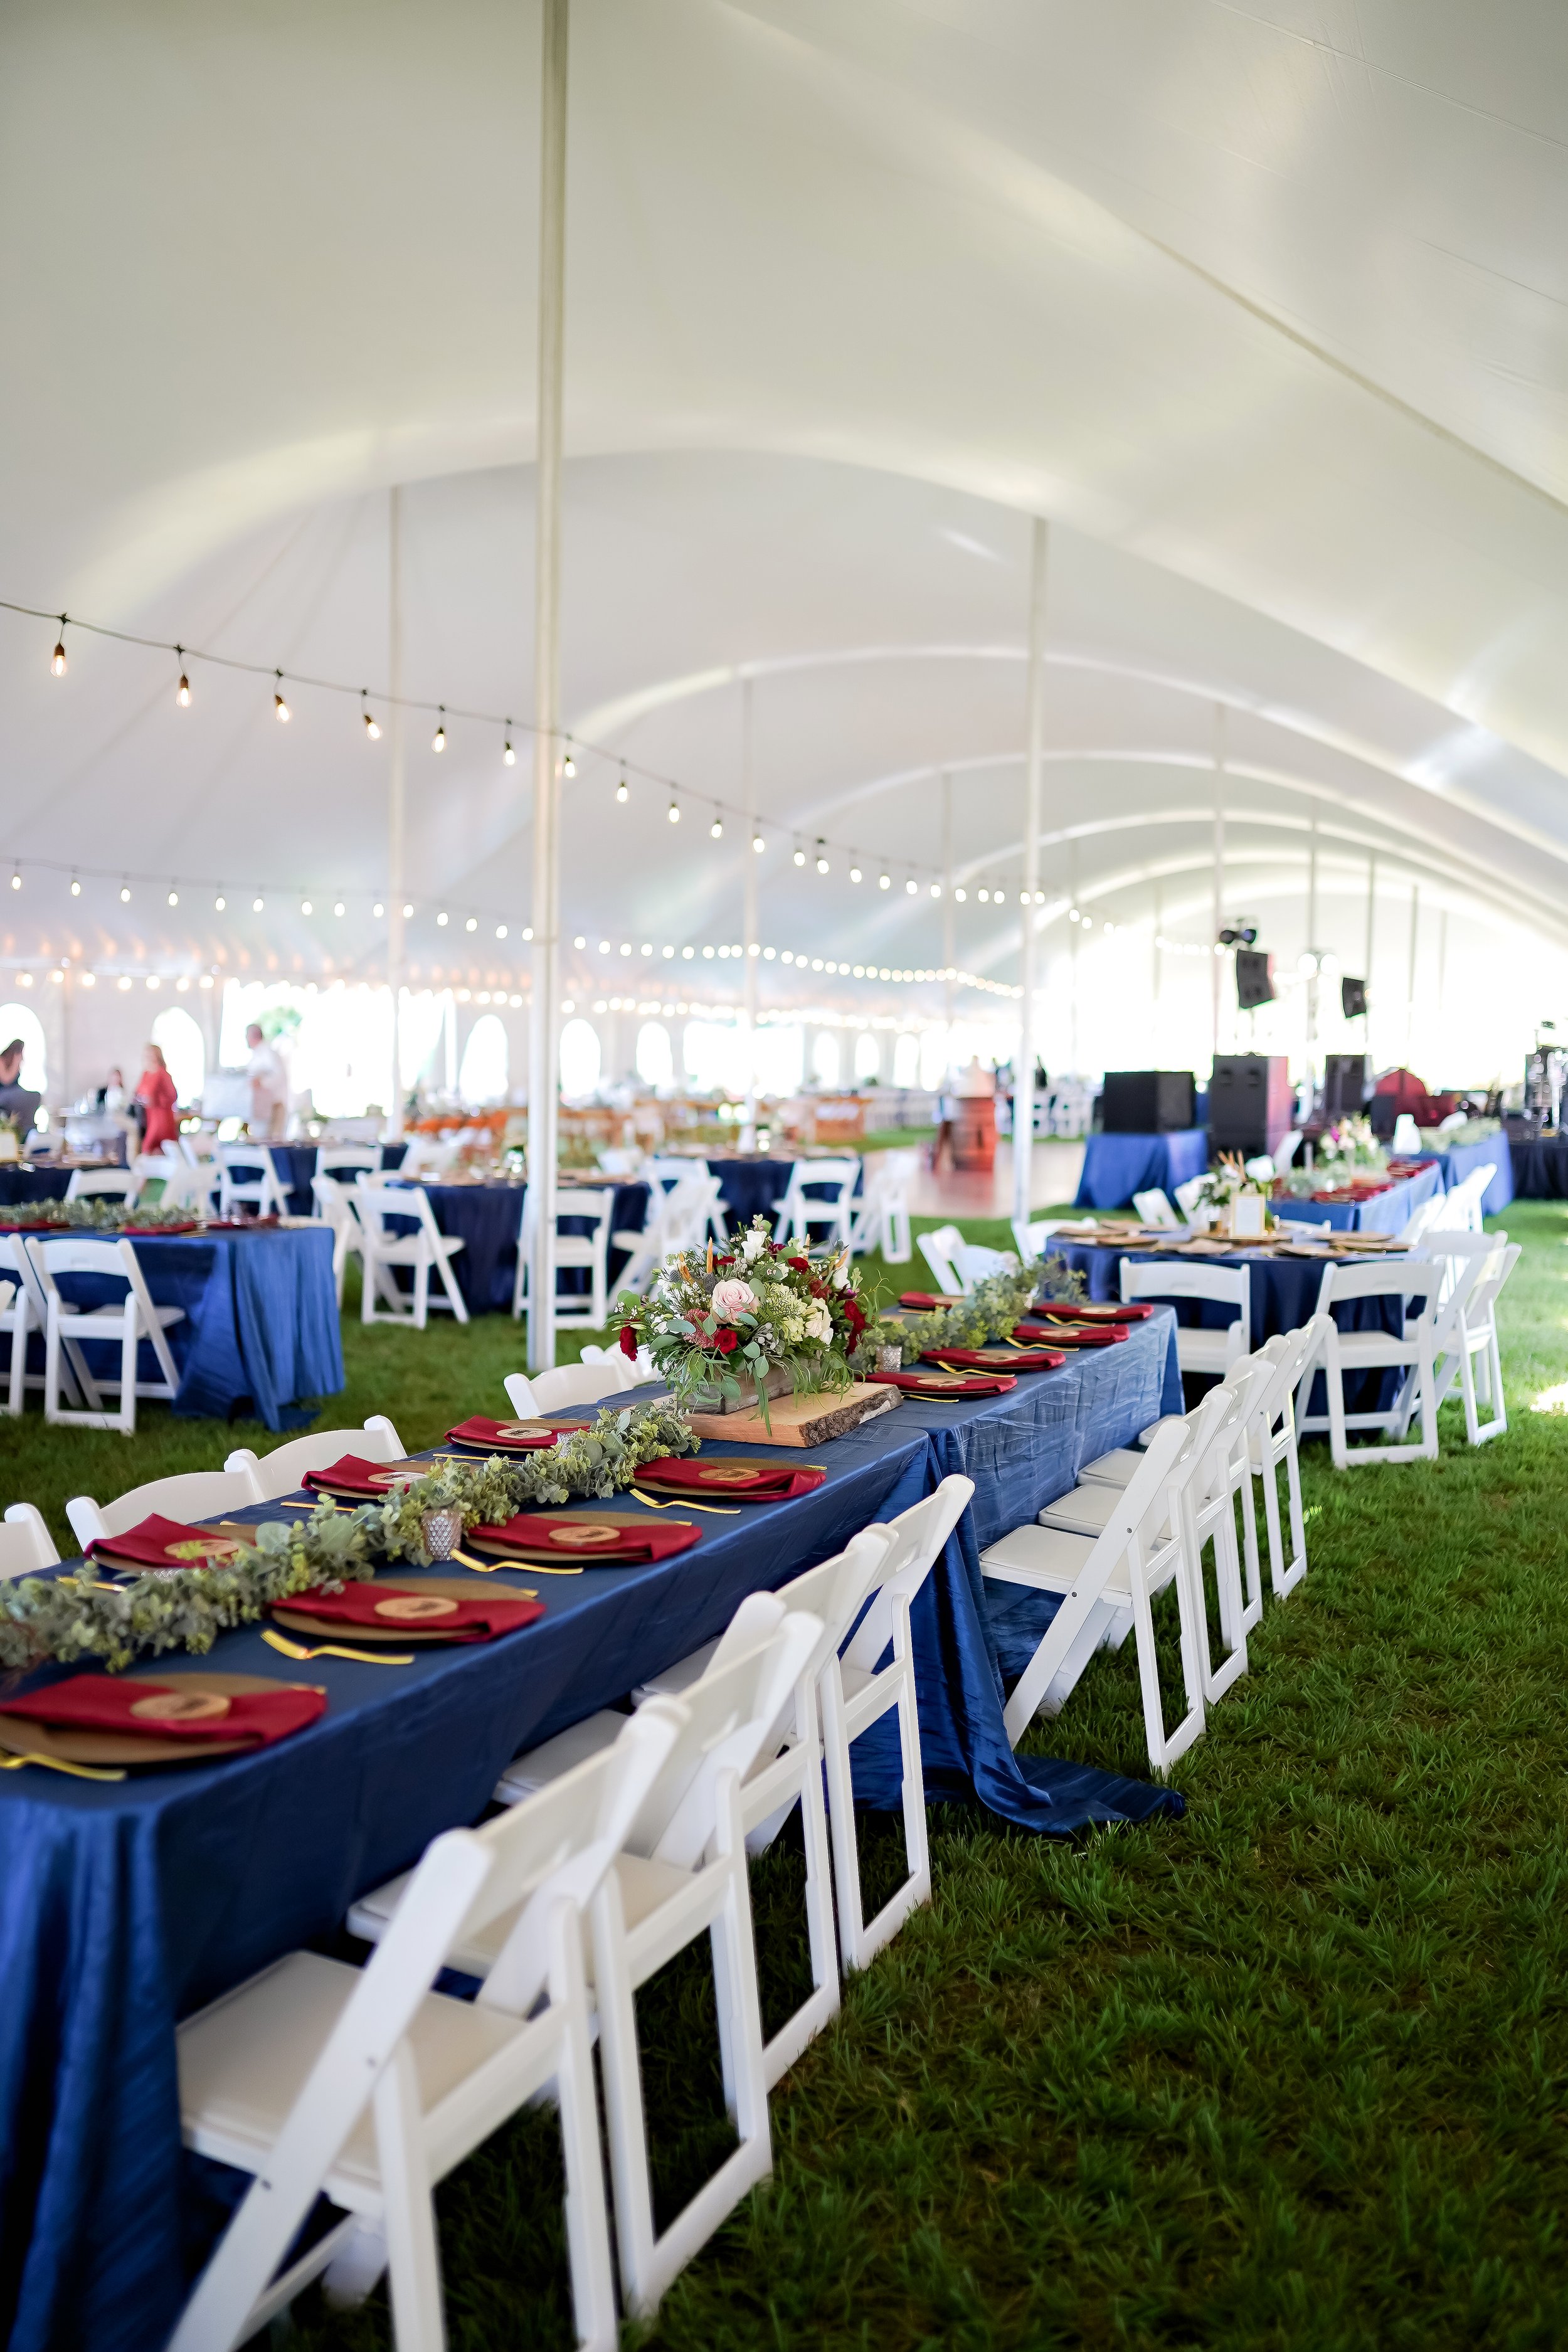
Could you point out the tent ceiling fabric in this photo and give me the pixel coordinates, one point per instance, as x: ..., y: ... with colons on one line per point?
x: 1264, y: 309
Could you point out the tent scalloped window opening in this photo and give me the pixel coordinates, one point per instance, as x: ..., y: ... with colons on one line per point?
x: 581, y: 1059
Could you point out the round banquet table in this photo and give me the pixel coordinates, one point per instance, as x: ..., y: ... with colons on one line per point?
x: 18, y: 1186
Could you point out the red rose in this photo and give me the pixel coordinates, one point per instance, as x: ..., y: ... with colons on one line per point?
x: 726, y: 1340
x: 628, y: 1340
x: 801, y: 1264
x: 853, y: 1314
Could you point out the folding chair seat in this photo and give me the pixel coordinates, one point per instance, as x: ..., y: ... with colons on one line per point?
x: 67, y: 1328
x: 818, y: 1193
x: 368, y: 2087
x: 382, y: 1208
x: 25, y: 1543
x: 248, y: 1179
x: 1410, y: 1351
x: 788, y: 1770
x: 190, y: 1495
x: 590, y: 1252
x: 282, y: 1471
x: 681, y: 1869
x: 1226, y: 1286
x: 1104, y: 1585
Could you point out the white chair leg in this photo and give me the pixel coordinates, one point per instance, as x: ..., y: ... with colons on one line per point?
x: 449, y: 1282
x: 587, y: 2220
x: 421, y: 1293
x: 413, y: 2263
x: 371, y: 1265
x: 16, y: 1394
x: 128, y: 1352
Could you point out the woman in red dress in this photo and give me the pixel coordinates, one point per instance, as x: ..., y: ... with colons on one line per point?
x: 156, y: 1090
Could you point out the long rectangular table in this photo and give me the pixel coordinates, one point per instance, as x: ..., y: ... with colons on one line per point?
x: 1117, y: 1166
x: 128, y: 1905
x: 1461, y: 1159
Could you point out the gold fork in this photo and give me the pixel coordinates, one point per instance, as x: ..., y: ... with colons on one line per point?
x: 331, y: 1650
x: 718, y: 1510
x: 58, y: 1764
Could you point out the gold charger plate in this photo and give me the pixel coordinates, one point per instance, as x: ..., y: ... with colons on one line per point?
x: 19, y: 1735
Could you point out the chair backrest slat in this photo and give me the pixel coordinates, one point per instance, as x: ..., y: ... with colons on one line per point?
x: 730, y: 1712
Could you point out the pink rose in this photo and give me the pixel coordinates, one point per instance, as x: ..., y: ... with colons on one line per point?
x: 733, y: 1300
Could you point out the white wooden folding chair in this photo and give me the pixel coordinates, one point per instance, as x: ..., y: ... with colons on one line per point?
x: 281, y: 1471
x: 788, y: 1770
x: 1189, y: 1199
x: 1154, y: 1208
x: 67, y: 1328
x: 561, y: 1386
x: 1226, y: 1286
x: 190, y: 1184
x: 337, y: 1160
x: 1105, y: 1584
x: 425, y: 1251
x: 587, y: 1311
x: 190, y: 1495
x: 1421, y: 1220
x: 248, y: 1179
x: 1466, y: 1331
x: 1461, y: 1206
x: 29, y: 1311
x: 672, y: 1169
x: 368, y: 2087
x: 26, y: 1544
x: 937, y: 1248
x: 104, y: 1184
x: 336, y: 1207
x: 630, y: 1371
x: 818, y: 1192
x: 1409, y: 1350
x: 1272, y: 1444
x: 1032, y: 1236
x: 880, y: 1216
x: 873, y: 1674
x: 15, y: 1323
x: 682, y: 1870
x: 975, y: 1263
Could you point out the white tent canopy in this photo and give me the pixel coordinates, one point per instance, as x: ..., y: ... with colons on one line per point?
x: 1262, y: 310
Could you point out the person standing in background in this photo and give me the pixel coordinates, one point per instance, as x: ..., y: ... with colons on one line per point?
x: 16, y: 1101
x: 155, y: 1093
x: 268, y: 1084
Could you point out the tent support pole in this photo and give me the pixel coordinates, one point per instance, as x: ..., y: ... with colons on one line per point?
x: 395, y: 799
x: 1024, y: 1069
x: 749, y: 920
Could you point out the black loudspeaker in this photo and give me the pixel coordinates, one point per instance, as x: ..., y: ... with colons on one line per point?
x: 1147, y: 1102
x: 1353, y: 998
x: 1344, y: 1084
x: 1254, y: 978
x: 1250, y: 1102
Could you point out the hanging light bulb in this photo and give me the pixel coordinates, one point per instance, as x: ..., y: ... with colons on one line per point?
x: 338, y: 907
x: 674, y: 812
x: 716, y: 830
x: 371, y: 730
x: 961, y: 894
x: 306, y: 908
x: 378, y: 910
x: 439, y: 740
x: 936, y: 889
x: 821, y: 859
x: 173, y: 897
x: 984, y: 897
x: 621, y: 794
x: 884, y: 881
x: 500, y: 932
x: 406, y: 912
x: 441, y: 919
x: 256, y: 905
x: 800, y: 856
x: 758, y: 843
x: 125, y: 893
x: 220, y: 902
x: 58, y: 658
x: 508, y: 756
x: 182, y: 691
x: 568, y: 765
x: 912, y: 885
x: 16, y: 879
x: 473, y: 924
x: 76, y: 887
x: 855, y: 874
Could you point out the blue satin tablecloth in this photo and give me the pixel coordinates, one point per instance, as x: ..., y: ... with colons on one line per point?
x: 20, y: 1185
x: 1493, y: 1152
x: 1381, y: 1212
x: 751, y: 1188
x: 1540, y: 1168
x: 128, y: 1905
x: 1117, y: 1166
x: 487, y: 1218
x: 260, y: 1330
x: 294, y: 1165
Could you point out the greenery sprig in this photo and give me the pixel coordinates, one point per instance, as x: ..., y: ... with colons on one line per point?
x: 990, y: 1312
x: 97, y: 1213
x: 75, y: 1616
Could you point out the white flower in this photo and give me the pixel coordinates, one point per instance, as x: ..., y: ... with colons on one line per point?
x: 733, y: 1300
x: 819, y: 1322
x: 842, y: 1273
x: 753, y: 1244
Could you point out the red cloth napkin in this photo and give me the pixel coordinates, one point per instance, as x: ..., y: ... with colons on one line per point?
x: 390, y: 1609
x: 508, y: 1436
x: 582, y: 1538
x: 159, y: 1543
x: 171, y: 1711
x: 726, y: 1480
x: 928, y: 1301
x: 996, y: 1359
x: 1083, y: 1335
x: 354, y: 1475
x: 934, y: 1384
x: 1064, y: 1310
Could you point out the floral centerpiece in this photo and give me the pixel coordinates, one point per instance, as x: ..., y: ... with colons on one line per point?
x: 758, y: 1318
x: 1341, y: 1153
x: 1235, y: 1199
x: 78, y: 1616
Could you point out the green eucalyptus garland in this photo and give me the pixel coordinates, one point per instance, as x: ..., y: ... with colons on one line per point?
x: 990, y: 1312
x: 72, y: 1617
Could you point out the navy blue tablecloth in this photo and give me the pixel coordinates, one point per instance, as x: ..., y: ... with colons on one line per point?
x: 20, y: 1185
x: 1493, y: 1152
x: 1381, y: 1212
x: 128, y: 1905
x: 1540, y: 1168
x: 260, y: 1328
x: 294, y: 1164
x: 1117, y: 1166
x: 487, y: 1217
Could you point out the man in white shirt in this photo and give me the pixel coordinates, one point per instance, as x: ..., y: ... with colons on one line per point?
x: 268, y: 1084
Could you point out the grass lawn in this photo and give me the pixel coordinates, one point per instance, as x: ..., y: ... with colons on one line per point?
x: 1291, y: 2072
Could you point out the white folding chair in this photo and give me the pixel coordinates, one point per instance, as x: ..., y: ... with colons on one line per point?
x: 336, y: 1160
x: 630, y: 1371
x: 1466, y: 1331
x: 190, y: 1185
x: 1289, y: 1146
x: 191, y: 1495
x: 648, y: 1248
x: 1410, y: 1351
x: 67, y: 1328
x: 682, y: 1870
x: 588, y: 1311
x: 669, y: 1171
x: 384, y: 1249
x: 368, y: 2087
x: 1226, y: 1285
x: 818, y: 1192
x: 1272, y: 1443
x: 1154, y: 1208
x: 336, y: 1207
x: 1462, y: 1207
x: 565, y: 1385
x: 282, y: 1471
x: 1422, y: 1218
x: 1105, y: 1584
x: 788, y: 1770
x: 1189, y: 1196
x: 880, y: 1214
x: 248, y: 1179
x: 14, y: 1322
x: 104, y: 1184
x: 937, y: 1248
x: 1032, y: 1237
x: 26, y: 1544
x: 29, y: 1311
x: 975, y: 1263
